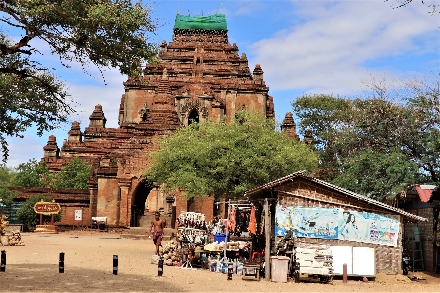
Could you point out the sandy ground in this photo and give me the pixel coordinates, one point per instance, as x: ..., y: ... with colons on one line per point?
x: 89, y: 268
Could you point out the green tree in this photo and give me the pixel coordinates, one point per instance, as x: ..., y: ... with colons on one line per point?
x: 106, y: 33
x: 327, y: 117
x: 378, y: 175
x: 29, y: 217
x: 30, y: 97
x: 358, y: 138
x: 73, y: 175
x: 211, y: 159
x: 32, y: 174
x: 6, y: 175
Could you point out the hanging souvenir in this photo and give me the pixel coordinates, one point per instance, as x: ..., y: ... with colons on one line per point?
x: 252, y: 228
x: 232, y: 220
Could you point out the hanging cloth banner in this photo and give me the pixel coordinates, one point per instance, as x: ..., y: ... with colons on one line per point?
x: 339, y: 224
x: 232, y: 220
x: 253, y: 222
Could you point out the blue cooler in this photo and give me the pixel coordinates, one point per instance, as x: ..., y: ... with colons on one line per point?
x: 219, y: 238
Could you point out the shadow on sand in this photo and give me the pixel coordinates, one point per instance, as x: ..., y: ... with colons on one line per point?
x: 45, y: 278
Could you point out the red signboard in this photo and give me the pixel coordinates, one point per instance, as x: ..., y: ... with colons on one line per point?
x: 47, y: 207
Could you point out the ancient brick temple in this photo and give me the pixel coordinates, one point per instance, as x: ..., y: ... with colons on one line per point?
x: 199, y: 76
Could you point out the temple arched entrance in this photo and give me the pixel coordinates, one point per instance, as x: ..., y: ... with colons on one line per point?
x: 139, y: 202
x: 193, y: 117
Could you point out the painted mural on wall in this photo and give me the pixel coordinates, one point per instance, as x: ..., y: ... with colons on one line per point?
x: 328, y: 223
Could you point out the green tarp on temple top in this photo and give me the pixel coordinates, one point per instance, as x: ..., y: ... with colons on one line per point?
x: 212, y: 22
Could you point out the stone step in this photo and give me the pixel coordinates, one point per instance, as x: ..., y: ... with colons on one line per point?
x: 137, y: 230
x: 145, y: 221
x: 145, y: 237
x: 143, y: 233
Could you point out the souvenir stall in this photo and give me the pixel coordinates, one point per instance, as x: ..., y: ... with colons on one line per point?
x: 192, y: 235
x: 316, y: 228
x: 243, y: 239
x: 244, y: 223
x: 192, y: 229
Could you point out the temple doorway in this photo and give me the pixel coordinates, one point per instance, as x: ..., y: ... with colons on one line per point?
x: 193, y: 117
x: 139, y: 200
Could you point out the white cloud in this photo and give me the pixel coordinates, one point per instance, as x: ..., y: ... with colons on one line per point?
x: 87, y: 85
x: 328, y: 52
x: 245, y: 7
x: 108, y: 96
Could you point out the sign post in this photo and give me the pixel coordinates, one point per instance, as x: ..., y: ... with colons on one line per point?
x: 78, y: 215
x: 44, y: 208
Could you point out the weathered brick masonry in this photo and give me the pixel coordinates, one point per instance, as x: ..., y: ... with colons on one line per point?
x: 426, y: 230
x: 69, y: 199
x: 199, y: 76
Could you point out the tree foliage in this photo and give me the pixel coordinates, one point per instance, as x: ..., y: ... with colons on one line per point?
x: 377, y: 144
x: 227, y: 159
x: 36, y: 174
x: 28, y: 96
x: 327, y: 117
x: 32, y: 174
x: 378, y: 175
x: 106, y: 33
x: 6, y: 175
x: 73, y: 175
x: 28, y: 217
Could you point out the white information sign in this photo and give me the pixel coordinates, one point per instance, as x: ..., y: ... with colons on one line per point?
x: 78, y: 215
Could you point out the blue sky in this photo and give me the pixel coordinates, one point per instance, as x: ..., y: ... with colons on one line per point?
x: 312, y: 47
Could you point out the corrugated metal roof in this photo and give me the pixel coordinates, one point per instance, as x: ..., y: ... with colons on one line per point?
x: 300, y: 174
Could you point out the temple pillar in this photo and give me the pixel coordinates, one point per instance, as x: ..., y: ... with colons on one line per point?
x: 124, y: 202
x: 93, y: 189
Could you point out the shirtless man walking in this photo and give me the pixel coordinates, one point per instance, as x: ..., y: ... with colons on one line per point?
x: 157, y: 224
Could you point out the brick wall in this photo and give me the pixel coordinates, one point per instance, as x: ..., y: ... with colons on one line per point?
x: 108, y: 200
x: 181, y: 204
x: 69, y: 199
x: 68, y: 215
x: 426, y: 230
x: 199, y: 205
x: 202, y: 205
x: 221, y: 209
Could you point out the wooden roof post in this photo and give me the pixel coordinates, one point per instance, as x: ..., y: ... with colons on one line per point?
x: 267, y: 231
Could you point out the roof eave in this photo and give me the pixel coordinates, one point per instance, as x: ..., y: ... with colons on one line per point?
x: 260, y: 190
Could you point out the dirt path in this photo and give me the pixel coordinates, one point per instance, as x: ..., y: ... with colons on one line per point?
x: 89, y: 261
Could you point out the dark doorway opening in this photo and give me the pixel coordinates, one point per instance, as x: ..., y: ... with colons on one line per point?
x: 138, y: 205
x: 193, y: 117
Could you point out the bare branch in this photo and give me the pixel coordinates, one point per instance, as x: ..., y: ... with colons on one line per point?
x: 5, y: 20
x: 21, y: 73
